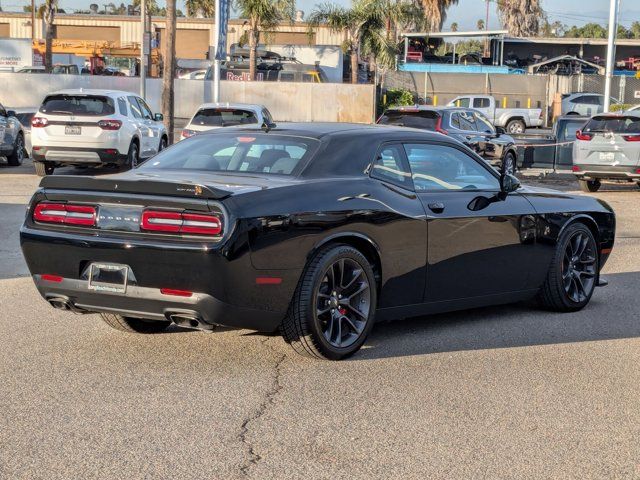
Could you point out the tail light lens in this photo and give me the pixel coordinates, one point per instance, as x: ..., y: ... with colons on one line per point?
x: 187, y: 132
x: 631, y: 138
x: 110, y: 124
x: 64, y: 213
x: 575, y: 168
x: 39, y: 122
x: 181, y: 222
x: 587, y: 137
x: 439, y: 127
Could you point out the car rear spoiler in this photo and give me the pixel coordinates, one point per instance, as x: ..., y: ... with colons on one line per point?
x: 145, y: 185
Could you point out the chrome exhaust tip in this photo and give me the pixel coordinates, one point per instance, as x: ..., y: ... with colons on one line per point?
x: 60, y: 303
x: 189, y: 320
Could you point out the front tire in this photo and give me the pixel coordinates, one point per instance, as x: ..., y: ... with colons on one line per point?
x: 43, y: 168
x: 509, y: 164
x: 134, y: 325
x: 573, y: 274
x: 333, y: 307
x: 589, y: 185
x: 17, y: 156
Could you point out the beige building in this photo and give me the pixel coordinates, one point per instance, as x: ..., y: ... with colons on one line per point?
x: 194, y: 35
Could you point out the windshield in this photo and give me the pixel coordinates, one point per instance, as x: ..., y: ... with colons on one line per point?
x: 424, y: 119
x: 217, y: 117
x: 257, y: 152
x: 84, y: 105
x: 614, y: 124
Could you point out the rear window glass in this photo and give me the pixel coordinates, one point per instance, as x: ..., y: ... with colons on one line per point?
x: 424, y: 119
x: 249, y: 152
x: 214, y: 117
x: 617, y: 124
x: 83, y: 105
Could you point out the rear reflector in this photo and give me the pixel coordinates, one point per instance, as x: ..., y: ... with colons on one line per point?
x: 64, y: 213
x: 51, y: 278
x: 268, y: 280
x: 176, y: 293
x: 606, y: 251
x: 181, y: 222
x: 575, y: 168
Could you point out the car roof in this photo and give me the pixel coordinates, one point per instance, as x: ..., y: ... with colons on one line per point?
x: 90, y: 91
x: 330, y: 129
x: 249, y: 106
x: 427, y: 108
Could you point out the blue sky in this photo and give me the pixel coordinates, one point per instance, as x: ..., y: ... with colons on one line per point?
x: 466, y: 13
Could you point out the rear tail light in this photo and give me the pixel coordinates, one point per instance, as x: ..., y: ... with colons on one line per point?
x: 39, y: 122
x: 187, y: 132
x: 64, y: 213
x: 631, y: 138
x: 587, y: 137
x: 439, y: 127
x: 110, y: 124
x: 575, y: 168
x: 177, y: 222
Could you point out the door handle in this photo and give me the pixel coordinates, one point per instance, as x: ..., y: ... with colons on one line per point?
x: 436, y: 207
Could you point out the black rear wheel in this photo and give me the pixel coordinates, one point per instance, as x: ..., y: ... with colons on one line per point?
x: 589, y: 185
x: 17, y: 156
x: 573, y: 274
x: 133, y: 156
x: 134, y: 325
x: 333, y: 308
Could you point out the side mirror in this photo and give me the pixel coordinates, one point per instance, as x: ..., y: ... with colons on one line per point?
x: 11, y: 113
x: 500, y: 131
x: 158, y: 117
x: 509, y: 183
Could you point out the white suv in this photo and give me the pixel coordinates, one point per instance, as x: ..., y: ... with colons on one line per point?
x: 94, y: 127
x: 217, y: 115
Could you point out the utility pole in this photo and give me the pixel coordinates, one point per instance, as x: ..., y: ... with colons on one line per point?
x: 143, y: 47
x: 216, y: 62
x: 611, y: 52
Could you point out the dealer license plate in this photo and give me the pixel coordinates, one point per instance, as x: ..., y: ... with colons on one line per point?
x: 108, y: 277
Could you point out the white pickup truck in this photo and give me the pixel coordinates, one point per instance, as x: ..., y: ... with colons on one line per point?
x: 513, y: 120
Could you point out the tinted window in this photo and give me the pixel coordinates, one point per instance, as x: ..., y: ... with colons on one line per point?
x: 84, y: 105
x: 482, y: 124
x: 440, y: 167
x: 266, y: 115
x: 146, y: 111
x: 618, y: 124
x: 122, y: 106
x: 424, y: 119
x: 463, y: 121
x: 569, y: 130
x: 250, y: 152
x: 481, y: 103
x: 216, y: 117
x: 136, y: 111
x: 3, y: 112
x: 390, y: 166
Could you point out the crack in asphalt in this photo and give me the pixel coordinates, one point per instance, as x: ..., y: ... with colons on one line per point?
x: 269, y: 399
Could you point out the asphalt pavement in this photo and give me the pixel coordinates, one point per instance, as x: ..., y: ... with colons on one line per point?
x: 504, y: 392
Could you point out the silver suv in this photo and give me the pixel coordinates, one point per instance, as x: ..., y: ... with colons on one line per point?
x: 607, y: 148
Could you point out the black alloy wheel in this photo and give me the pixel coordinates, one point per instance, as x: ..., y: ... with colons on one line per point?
x: 163, y: 144
x: 573, y: 274
x: 133, y: 155
x: 509, y: 164
x: 332, y: 310
x: 17, y: 156
x: 579, y: 267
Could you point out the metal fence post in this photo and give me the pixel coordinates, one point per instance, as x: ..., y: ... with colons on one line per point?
x: 622, y: 87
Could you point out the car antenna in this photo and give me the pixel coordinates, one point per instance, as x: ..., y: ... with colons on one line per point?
x: 266, y: 126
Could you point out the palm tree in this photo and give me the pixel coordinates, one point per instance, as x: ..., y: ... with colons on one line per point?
x: 49, y: 10
x: 454, y: 27
x: 262, y: 16
x: 200, y: 8
x: 521, y: 17
x: 169, y: 68
x: 480, y: 24
x: 435, y: 11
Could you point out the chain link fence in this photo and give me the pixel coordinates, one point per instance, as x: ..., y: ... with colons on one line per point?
x: 625, y: 89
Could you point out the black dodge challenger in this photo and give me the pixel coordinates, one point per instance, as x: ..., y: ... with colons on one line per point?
x: 313, y: 229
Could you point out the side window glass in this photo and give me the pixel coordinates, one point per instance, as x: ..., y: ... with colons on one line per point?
x: 480, y: 102
x: 467, y: 121
x: 135, y: 108
x: 483, y: 124
x: 455, y: 120
x: 146, y: 111
x: 389, y: 166
x: 442, y: 167
x: 122, y: 106
x: 463, y: 102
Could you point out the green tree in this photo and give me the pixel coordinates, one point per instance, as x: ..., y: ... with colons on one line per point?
x: 262, y: 16
x: 521, y: 17
x: 589, y: 30
x: 480, y: 24
x: 435, y: 12
x: 204, y: 8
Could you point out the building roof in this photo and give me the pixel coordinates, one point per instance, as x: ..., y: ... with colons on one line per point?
x: 473, y: 33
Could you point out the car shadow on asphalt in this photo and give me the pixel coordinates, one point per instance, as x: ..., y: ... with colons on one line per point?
x: 609, y: 316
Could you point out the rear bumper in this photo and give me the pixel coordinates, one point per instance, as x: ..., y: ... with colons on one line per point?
x: 77, y: 155
x: 150, y: 303
x: 607, y: 172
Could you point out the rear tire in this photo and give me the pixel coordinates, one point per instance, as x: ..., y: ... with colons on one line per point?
x: 43, y: 168
x: 134, y: 325
x: 133, y: 155
x: 515, y: 126
x: 17, y: 156
x: 332, y: 313
x: 589, y: 185
x: 573, y: 273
